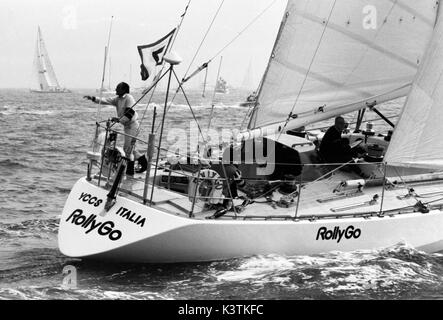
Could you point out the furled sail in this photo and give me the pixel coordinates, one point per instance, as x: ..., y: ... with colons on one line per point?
x: 46, y: 78
x: 334, y: 56
x: 417, y: 138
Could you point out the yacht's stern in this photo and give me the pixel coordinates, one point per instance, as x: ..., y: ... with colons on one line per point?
x: 86, y: 229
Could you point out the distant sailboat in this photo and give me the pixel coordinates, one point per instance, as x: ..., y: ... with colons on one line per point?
x: 108, y: 90
x: 222, y: 86
x: 44, y: 72
x: 248, y: 84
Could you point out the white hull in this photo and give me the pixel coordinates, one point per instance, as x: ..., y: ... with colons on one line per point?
x: 169, y: 238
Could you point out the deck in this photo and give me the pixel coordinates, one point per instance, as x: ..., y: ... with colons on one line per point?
x: 317, y: 200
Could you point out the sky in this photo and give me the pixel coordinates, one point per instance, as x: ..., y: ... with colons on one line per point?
x: 76, y: 31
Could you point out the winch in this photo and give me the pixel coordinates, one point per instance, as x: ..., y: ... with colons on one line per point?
x: 375, y: 153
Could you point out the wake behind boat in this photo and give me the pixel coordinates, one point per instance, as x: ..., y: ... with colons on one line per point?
x: 269, y: 190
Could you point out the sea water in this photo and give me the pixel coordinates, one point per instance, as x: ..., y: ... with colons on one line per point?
x: 44, y: 139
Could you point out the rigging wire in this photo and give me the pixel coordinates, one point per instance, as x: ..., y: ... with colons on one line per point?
x: 204, y: 38
x: 163, y: 65
x: 193, y: 59
x: 205, y: 65
x: 243, y: 30
x: 153, y: 89
x: 213, y: 96
x: 247, y: 115
x: 180, y: 23
x: 309, y: 69
x: 189, y: 104
x: 159, y: 76
x: 204, y: 83
x: 252, y: 107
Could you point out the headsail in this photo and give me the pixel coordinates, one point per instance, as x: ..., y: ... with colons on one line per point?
x: 333, y: 56
x: 417, y: 139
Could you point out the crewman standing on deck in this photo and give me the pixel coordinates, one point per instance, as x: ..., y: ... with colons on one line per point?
x: 128, y: 117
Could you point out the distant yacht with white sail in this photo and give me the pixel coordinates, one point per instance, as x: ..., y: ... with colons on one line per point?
x: 221, y: 86
x: 46, y: 80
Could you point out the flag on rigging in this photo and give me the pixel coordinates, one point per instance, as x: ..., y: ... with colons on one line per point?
x: 152, y: 55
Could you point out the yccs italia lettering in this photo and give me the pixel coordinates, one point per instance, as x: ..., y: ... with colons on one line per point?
x: 338, y: 234
x: 88, y: 198
x: 131, y: 216
x: 89, y: 223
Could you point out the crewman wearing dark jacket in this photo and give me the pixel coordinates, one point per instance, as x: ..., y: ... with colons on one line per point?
x: 333, y: 148
x: 336, y: 150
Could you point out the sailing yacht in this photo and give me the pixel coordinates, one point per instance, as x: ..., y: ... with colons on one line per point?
x: 248, y: 85
x: 325, y: 63
x: 221, y: 86
x: 108, y: 89
x: 45, y: 78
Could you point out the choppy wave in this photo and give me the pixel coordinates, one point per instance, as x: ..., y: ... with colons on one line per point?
x: 400, y: 272
x: 42, y: 155
x: 12, y: 164
x: 60, y: 293
x: 7, y: 110
x: 397, y: 272
x: 38, y: 228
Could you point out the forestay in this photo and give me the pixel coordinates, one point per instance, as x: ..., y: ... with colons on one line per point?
x: 417, y: 140
x: 333, y: 56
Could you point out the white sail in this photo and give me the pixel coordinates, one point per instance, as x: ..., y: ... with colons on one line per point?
x: 39, y: 80
x: 46, y: 80
x: 333, y: 56
x: 417, y: 141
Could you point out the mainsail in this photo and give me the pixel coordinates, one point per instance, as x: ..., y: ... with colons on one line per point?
x: 334, y: 56
x: 43, y: 70
x: 417, y: 141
